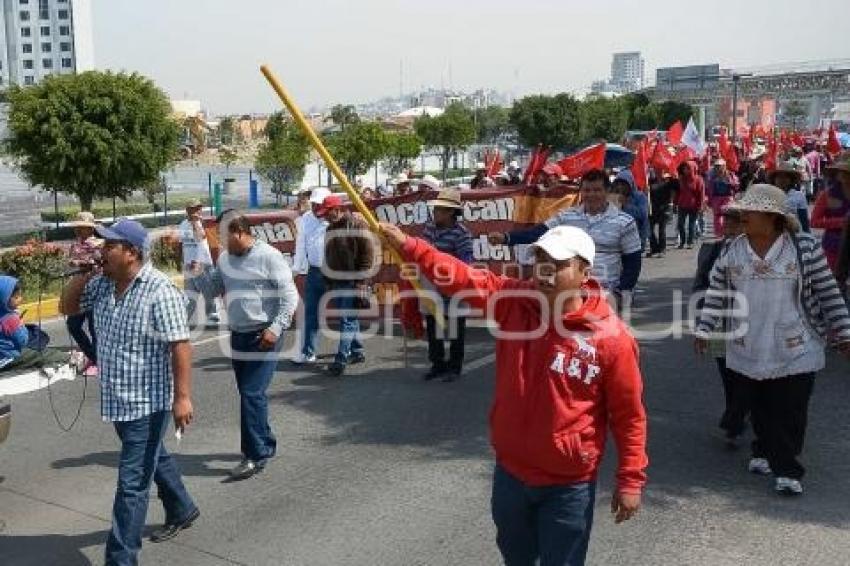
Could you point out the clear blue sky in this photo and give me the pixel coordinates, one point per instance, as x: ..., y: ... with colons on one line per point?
x: 329, y: 51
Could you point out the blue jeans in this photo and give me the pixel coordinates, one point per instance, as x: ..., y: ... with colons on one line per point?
x: 314, y: 288
x: 254, y: 369
x: 193, y: 290
x: 349, y: 323
x: 550, y: 524
x: 86, y: 342
x: 143, y: 459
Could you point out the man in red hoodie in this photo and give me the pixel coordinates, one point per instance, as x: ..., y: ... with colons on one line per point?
x: 690, y: 199
x: 566, y: 365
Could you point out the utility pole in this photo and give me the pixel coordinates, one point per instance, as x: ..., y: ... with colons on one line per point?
x: 735, y: 78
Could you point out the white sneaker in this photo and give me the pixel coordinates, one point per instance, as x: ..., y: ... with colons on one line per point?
x: 759, y: 466
x: 788, y: 486
x: 214, y: 317
x: 302, y: 358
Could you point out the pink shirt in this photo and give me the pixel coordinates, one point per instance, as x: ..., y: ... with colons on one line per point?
x: 813, y: 158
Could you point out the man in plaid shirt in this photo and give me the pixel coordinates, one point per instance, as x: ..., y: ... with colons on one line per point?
x: 145, y: 361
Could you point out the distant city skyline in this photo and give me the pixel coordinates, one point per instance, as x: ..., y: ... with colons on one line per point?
x: 342, y: 52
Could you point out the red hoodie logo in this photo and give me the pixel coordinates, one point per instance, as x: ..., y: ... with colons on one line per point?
x: 582, y: 363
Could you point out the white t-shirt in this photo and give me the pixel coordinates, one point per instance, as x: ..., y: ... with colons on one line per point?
x: 193, y: 250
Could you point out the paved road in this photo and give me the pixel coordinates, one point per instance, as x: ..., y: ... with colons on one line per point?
x: 382, y: 468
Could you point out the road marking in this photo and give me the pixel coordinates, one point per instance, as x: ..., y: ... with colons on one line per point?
x: 480, y: 362
x: 208, y: 340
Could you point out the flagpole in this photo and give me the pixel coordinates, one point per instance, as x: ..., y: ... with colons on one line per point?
x: 332, y: 165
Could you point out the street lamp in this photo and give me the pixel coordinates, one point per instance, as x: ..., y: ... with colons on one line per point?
x: 735, y: 78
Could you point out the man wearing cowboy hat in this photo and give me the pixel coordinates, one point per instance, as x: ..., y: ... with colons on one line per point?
x: 402, y: 185
x: 787, y: 177
x: 429, y: 183
x: 197, y: 260
x: 85, y: 255
x: 481, y: 180
x: 450, y: 236
x: 514, y: 173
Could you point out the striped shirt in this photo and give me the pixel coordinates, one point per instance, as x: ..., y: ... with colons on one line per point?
x: 615, y: 234
x: 456, y: 240
x: 817, y: 294
x: 134, y: 333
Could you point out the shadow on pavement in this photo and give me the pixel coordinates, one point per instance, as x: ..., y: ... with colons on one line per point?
x: 44, y: 550
x: 198, y: 465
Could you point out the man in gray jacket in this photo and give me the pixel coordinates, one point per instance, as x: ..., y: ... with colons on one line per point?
x: 261, y: 298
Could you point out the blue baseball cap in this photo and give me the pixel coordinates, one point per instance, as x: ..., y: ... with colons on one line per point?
x: 125, y: 230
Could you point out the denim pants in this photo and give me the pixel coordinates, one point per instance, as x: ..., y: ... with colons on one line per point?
x: 546, y: 524
x: 194, y: 291
x: 143, y: 459
x: 86, y: 342
x: 254, y: 369
x: 314, y: 288
x: 687, y: 235
x: 349, y: 323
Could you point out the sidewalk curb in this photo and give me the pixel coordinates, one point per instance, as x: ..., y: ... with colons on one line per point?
x: 49, y: 307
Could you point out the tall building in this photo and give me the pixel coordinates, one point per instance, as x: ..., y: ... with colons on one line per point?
x: 627, y: 71
x: 44, y: 37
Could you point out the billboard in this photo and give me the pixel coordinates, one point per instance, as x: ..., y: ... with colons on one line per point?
x: 694, y: 77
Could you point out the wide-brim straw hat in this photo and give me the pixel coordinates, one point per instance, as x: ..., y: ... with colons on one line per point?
x: 84, y: 219
x: 785, y: 168
x: 769, y: 199
x: 431, y: 182
x: 447, y: 198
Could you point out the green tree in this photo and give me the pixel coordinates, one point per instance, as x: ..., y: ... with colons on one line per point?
x: 548, y: 120
x: 670, y: 112
x: 344, y: 115
x: 281, y: 160
x: 450, y: 132
x: 357, y: 147
x: 227, y: 156
x: 602, y: 118
x: 491, y: 123
x: 96, y: 134
x: 227, y: 130
x: 795, y: 112
x: 402, y: 149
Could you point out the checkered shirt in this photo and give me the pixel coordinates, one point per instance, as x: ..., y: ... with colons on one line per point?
x: 134, y: 333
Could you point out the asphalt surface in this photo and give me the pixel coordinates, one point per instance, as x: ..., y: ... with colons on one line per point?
x: 380, y: 467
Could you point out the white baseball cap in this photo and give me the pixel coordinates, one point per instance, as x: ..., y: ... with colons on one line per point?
x: 317, y: 195
x: 566, y: 242
x: 431, y: 182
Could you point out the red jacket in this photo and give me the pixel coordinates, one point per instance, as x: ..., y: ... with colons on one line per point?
x: 691, y: 195
x: 555, y: 392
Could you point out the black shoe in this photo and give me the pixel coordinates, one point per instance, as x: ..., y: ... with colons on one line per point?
x: 650, y: 255
x: 451, y: 375
x: 680, y: 247
x: 661, y: 254
x: 246, y: 469
x: 336, y: 369
x: 433, y: 373
x: 168, y: 532
x: 356, y: 358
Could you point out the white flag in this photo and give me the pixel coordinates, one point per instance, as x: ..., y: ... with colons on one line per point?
x: 693, y: 140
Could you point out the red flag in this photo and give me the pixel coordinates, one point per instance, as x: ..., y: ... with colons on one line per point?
x: 639, y: 169
x: 574, y: 166
x: 493, y: 161
x: 662, y: 161
x: 731, y: 157
x: 833, y: 146
x: 723, y: 143
x: 674, y: 134
x: 538, y: 160
x: 770, y: 157
x: 785, y: 140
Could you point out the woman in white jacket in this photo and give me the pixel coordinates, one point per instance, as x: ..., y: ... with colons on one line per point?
x: 783, y: 307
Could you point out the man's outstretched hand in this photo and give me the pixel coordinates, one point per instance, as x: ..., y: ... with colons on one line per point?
x: 393, y: 235
x: 624, y: 506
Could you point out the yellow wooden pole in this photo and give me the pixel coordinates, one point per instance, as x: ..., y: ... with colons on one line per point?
x: 331, y: 163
